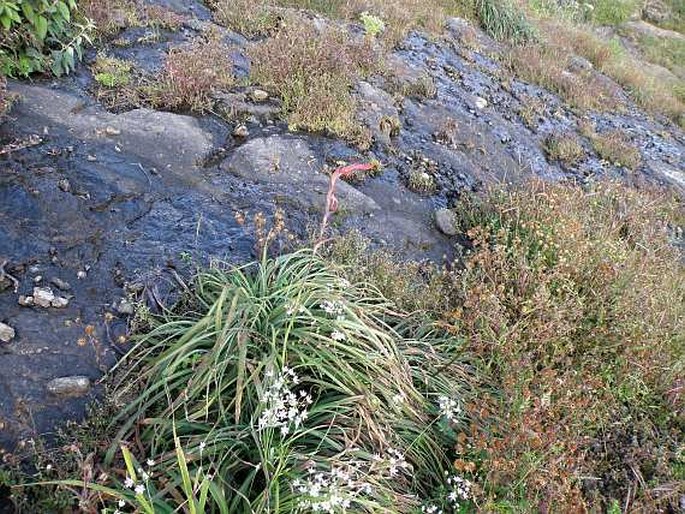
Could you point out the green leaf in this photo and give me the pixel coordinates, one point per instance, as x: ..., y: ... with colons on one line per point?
x: 29, y: 13
x: 6, y: 21
x: 64, y: 10
x: 41, y: 27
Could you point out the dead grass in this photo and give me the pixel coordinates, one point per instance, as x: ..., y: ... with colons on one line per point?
x: 191, y: 75
x: 312, y: 69
x: 549, y: 66
x: 616, y: 148
x: 112, y: 16
x: 573, y: 298
x: 564, y: 148
x: 648, y: 90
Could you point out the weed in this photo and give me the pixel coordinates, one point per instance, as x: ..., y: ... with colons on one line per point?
x: 249, y: 17
x: 583, y: 341
x: 313, y: 71
x: 616, y: 148
x: 111, y: 72
x: 564, y: 148
x: 191, y: 75
x: 611, y: 12
x: 504, y: 21
x: 547, y: 65
x: 112, y: 16
x: 373, y: 25
x: 421, y: 181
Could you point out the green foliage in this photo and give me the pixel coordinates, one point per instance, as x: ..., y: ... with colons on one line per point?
x: 367, y: 389
x: 111, y: 72
x: 504, y: 21
x: 39, y: 36
x: 373, y: 25
x: 611, y: 12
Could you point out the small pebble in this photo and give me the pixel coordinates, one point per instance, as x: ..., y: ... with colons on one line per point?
x: 6, y: 333
x: 241, y: 131
x: 60, y: 284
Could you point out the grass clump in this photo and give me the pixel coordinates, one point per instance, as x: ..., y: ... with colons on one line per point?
x: 112, y: 16
x: 280, y: 386
x: 249, y: 17
x: 616, y: 148
x: 564, y: 148
x: 548, y: 65
x: 504, y: 21
x: 111, y: 72
x: 573, y: 298
x: 611, y: 12
x: 313, y: 70
x: 191, y: 75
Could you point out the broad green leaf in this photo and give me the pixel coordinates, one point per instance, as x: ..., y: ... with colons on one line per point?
x: 41, y: 27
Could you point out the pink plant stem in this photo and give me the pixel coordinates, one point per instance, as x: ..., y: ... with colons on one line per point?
x: 331, y: 200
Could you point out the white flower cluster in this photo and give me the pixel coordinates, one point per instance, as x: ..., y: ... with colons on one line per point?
x: 292, y: 307
x: 460, y: 489
x: 333, y: 308
x: 393, y: 462
x: 431, y: 509
x: 284, y: 409
x: 449, y: 407
x: 330, y: 491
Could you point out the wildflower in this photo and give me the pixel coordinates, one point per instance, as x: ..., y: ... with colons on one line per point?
x: 449, y: 407
x: 399, y: 398
x: 283, y: 408
x: 150, y: 462
x: 336, y: 335
x: 460, y: 489
x: 333, y: 308
x: 139, y: 489
x: 129, y: 483
x: 202, y: 446
x: 48, y: 467
x: 121, y: 503
x: 145, y: 476
x: 117, y: 511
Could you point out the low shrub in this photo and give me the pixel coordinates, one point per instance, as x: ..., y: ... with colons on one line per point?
x: 248, y: 17
x: 41, y: 36
x: 313, y: 70
x: 573, y: 298
x: 611, y: 12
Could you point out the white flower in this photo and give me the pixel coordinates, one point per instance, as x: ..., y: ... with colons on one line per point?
x: 145, y: 476
x: 117, y: 511
x: 150, y: 462
x: 202, y: 446
x: 139, y: 489
x: 48, y: 467
x: 121, y: 503
x: 129, y: 483
x: 336, y: 335
x: 449, y: 407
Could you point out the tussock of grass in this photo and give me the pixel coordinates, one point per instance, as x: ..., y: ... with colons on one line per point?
x: 313, y: 70
x: 548, y: 66
x: 204, y: 381
x: 191, y: 75
x: 564, y: 148
x: 616, y: 148
x: 504, y: 21
x: 612, y: 12
x: 574, y: 299
x: 112, y: 16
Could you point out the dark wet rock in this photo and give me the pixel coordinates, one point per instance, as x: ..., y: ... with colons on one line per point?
x: 69, y: 386
x: 239, y: 105
x: 60, y: 284
x: 378, y: 112
x: 64, y: 185
x: 7, y: 333
x: 291, y: 165
x: 446, y: 221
